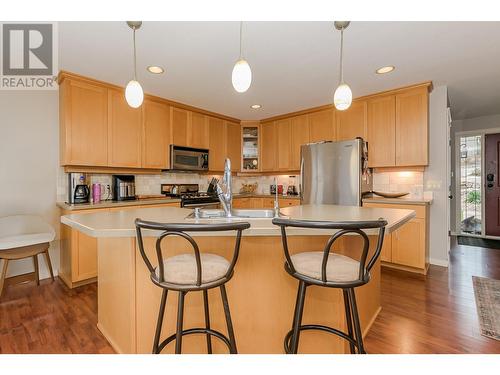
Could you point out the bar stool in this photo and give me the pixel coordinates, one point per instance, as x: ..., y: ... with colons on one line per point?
x: 331, y: 270
x: 190, y: 273
x: 24, y: 236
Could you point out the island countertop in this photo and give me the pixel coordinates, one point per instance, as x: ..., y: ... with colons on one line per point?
x: 261, y: 293
x: 121, y: 223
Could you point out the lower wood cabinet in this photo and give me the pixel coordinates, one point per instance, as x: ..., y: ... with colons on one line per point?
x: 408, y: 243
x: 407, y: 248
x: 264, y: 202
x: 78, y: 257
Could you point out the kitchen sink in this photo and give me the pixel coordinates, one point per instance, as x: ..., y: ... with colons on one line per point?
x: 237, y: 214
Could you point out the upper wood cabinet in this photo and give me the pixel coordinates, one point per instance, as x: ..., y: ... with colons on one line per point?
x: 124, y: 132
x: 179, y: 123
x: 398, y: 129
x: 217, y: 144
x: 268, y: 149
x: 83, y: 112
x: 284, y: 144
x: 156, y: 135
x: 198, y: 131
x: 322, y: 126
x: 300, y: 136
x: 412, y: 127
x: 352, y: 122
x: 382, y: 131
x: 233, y: 144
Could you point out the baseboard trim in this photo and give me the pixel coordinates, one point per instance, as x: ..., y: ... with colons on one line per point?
x: 439, y: 262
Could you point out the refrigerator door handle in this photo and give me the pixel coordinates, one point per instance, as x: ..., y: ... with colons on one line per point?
x: 301, y: 179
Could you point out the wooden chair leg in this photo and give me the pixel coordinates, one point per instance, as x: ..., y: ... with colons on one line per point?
x: 3, y: 274
x: 49, y: 264
x: 35, y: 264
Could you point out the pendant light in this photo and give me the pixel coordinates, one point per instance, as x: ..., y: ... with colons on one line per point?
x: 133, y: 92
x: 242, y: 74
x: 342, y: 98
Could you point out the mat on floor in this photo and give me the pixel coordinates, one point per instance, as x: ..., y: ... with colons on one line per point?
x: 480, y: 242
x: 487, y: 294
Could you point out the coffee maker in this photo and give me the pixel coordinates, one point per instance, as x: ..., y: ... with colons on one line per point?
x: 78, y: 190
x: 123, y: 187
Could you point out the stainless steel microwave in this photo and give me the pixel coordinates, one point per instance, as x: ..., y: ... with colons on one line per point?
x: 188, y: 158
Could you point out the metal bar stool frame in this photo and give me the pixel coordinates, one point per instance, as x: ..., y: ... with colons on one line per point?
x: 354, y: 333
x: 180, y: 231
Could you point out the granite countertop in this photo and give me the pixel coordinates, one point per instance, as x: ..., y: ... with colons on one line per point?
x: 401, y: 200
x: 111, y: 204
x: 256, y: 195
x: 121, y: 223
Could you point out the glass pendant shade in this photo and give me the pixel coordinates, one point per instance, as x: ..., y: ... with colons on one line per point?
x: 342, y: 98
x: 242, y: 76
x: 134, y: 94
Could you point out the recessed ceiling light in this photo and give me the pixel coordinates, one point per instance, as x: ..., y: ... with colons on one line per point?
x: 256, y: 106
x: 155, y: 69
x: 385, y: 69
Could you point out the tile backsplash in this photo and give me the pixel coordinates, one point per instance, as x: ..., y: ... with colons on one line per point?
x: 409, y: 182
x: 150, y: 184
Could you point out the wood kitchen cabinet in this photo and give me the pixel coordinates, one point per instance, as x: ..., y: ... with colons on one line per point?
x: 217, y: 144
x: 408, y: 243
x: 412, y: 126
x: 233, y: 144
x: 322, y: 125
x: 124, y: 132
x: 407, y: 248
x: 288, y: 202
x: 284, y: 144
x: 83, y: 116
x: 352, y: 122
x: 156, y: 135
x: 382, y: 131
x: 398, y: 128
x: 78, y: 255
x: 300, y: 136
x: 198, y: 131
x: 268, y: 149
x: 179, y: 122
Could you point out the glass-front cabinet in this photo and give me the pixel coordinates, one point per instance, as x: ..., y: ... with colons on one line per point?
x: 250, y: 141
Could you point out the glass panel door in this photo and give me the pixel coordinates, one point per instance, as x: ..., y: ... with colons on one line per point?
x: 470, y: 184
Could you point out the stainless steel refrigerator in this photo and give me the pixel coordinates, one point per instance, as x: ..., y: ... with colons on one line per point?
x: 334, y: 173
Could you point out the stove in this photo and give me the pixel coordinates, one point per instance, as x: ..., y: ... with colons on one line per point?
x: 190, y: 195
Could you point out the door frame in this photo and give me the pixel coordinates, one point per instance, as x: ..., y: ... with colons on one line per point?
x: 482, y: 133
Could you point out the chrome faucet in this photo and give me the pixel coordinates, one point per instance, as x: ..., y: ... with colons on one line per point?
x: 276, y: 200
x: 226, y: 195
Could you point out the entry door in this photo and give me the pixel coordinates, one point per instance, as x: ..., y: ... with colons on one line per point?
x: 492, y: 184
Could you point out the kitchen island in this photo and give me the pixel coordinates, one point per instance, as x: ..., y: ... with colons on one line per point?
x: 261, y: 294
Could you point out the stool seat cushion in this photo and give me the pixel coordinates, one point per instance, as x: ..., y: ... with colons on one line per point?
x: 181, y: 269
x: 339, y: 268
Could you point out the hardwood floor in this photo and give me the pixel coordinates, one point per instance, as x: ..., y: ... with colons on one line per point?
x: 50, y: 319
x: 436, y: 314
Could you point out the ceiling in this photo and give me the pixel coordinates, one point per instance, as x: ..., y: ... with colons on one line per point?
x: 294, y: 64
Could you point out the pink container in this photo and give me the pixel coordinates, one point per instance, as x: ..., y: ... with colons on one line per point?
x: 96, y: 193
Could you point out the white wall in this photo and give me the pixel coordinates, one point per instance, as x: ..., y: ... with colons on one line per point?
x: 29, y: 154
x: 435, y: 176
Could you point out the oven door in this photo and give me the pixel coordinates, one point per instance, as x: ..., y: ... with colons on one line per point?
x: 188, y: 159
